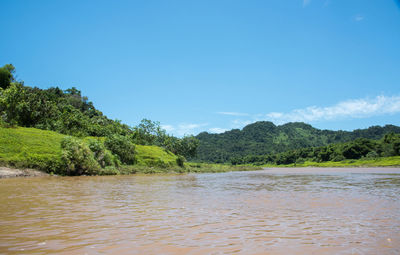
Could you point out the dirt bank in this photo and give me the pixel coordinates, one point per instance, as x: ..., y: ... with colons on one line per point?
x: 6, y: 172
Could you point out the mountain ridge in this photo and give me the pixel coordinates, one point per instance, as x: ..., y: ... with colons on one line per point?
x: 264, y: 137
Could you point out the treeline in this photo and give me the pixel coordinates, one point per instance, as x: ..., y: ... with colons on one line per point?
x: 388, y: 146
x: 264, y: 138
x: 69, y: 112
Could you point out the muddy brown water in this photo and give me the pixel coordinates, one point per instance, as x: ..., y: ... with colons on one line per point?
x: 273, y: 211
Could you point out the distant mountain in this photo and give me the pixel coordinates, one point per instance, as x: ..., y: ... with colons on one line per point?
x: 264, y: 137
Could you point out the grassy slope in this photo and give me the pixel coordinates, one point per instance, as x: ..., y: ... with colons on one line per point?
x: 154, y: 156
x: 28, y: 147
x: 32, y: 148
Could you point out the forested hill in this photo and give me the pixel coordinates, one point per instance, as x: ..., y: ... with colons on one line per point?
x: 264, y: 137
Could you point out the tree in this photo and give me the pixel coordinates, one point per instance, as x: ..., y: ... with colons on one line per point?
x: 149, y: 133
x: 6, y: 75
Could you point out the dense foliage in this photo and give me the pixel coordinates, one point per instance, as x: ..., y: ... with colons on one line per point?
x: 388, y: 146
x: 6, y: 76
x: 264, y: 138
x: 122, y: 147
x: 78, y: 157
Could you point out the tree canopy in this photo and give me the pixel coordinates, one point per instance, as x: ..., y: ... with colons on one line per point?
x: 6, y: 75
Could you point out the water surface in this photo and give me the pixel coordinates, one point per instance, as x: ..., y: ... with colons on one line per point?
x: 274, y: 211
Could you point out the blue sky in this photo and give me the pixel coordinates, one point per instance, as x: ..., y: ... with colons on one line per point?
x: 214, y: 65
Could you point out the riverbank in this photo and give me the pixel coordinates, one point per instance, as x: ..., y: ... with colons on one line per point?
x: 393, y: 161
x: 6, y: 172
x: 190, y: 167
x: 331, y: 170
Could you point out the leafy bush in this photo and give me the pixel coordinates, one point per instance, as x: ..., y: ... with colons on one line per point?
x: 338, y: 158
x: 372, y: 154
x: 78, y: 158
x: 101, y: 154
x: 110, y: 170
x: 122, y: 147
x: 180, y: 160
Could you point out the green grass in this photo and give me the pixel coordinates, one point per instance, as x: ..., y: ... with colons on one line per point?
x: 29, y: 147
x: 154, y: 156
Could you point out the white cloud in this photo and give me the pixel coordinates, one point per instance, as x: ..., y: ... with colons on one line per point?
x: 168, y: 128
x: 306, y: 2
x: 233, y: 113
x: 184, y: 128
x: 240, y: 123
x: 355, y: 108
x: 349, y: 109
x: 358, y: 17
x: 217, y: 130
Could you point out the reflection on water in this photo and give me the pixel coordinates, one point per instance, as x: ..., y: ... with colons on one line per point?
x: 284, y: 211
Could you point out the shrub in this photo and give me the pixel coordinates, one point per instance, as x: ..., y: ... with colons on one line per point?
x: 180, y: 160
x: 101, y: 154
x: 78, y: 158
x: 372, y: 154
x: 110, y: 170
x: 122, y: 147
x: 338, y: 157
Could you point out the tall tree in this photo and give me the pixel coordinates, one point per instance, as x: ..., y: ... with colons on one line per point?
x: 6, y: 75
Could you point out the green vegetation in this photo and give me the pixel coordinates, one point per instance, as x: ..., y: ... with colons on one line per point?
x: 122, y: 147
x: 6, y: 76
x: 363, y: 162
x: 366, y: 151
x: 68, y: 112
x: 30, y: 148
x: 189, y: 168
x: 78, y: 158
x: 264, y: 138
x: 60, y: 154
x: 218, y: 168
x: 155, y: 156
x: 97, y: 144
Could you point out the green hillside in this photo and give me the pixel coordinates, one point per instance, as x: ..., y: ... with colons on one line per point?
x: 30, y: 147
x: 41, y: 149
x: 261, y: 138
x: 147, y: 155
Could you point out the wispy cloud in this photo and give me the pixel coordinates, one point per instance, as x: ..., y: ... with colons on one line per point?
x: 348, y: 109
x: 355, y: 108
x: 358, y: 17
x: 233, y: 113
x: 168, y: 128
x: 184, y: 128
x: 306, y: 2
x: 240, y: 123
x: 217, y: 130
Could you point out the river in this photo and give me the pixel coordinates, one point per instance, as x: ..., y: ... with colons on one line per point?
x: 273, y: 211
